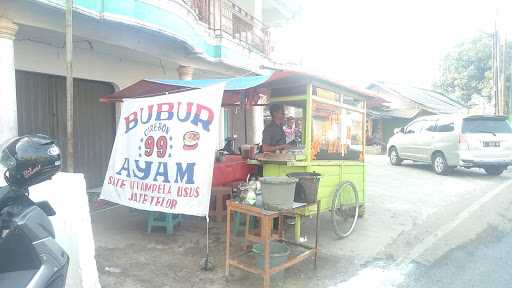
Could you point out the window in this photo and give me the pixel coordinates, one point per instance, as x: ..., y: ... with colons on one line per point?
x: 327, y: 94
x: 430, y: 125
x: 486, y: 125
x: 415, y: 127
x: 445, y: 126
x: 337, y: 134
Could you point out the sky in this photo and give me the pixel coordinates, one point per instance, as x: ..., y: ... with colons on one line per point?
x: 401, y: 41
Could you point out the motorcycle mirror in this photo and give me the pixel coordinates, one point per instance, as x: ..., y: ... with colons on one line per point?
x: 46, y: 207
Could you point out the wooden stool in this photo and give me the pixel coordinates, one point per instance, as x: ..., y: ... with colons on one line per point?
x: 160, y: 219
x: 220, y: 195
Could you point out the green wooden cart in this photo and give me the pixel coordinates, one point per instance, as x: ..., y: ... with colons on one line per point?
x: 334, y: 129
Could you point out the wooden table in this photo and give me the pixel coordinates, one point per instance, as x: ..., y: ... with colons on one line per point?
x: 267, y: 233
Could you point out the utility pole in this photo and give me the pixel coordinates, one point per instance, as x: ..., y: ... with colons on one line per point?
x: 499, y: 68
x: 70, y: 139
x: 495, y: 75
x: 503, y: 79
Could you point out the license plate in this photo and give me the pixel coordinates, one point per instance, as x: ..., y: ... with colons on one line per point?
x: 491, y: 143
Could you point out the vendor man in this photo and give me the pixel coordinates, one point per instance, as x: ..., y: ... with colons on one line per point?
x: 274, y: 138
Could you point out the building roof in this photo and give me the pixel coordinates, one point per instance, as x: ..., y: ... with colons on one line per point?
x: 399, y: 113
x: 429, y: 100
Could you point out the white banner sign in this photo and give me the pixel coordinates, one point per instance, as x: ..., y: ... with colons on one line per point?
x: 164, y: 152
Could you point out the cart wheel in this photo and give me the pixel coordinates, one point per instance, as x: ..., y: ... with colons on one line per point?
x: 345, y: 209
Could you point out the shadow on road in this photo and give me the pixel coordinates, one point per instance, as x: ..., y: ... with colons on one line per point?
x: 461, y: 172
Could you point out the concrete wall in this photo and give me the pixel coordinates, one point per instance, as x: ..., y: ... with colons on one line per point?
x: 88, y: 64
x: 72, y: 226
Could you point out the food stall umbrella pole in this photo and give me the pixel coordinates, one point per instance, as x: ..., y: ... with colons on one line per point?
x: 243, y: 119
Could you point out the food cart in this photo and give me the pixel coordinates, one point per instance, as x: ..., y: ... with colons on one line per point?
x: 333, y: 118
x: 331, y: 144
x: 334, y: 144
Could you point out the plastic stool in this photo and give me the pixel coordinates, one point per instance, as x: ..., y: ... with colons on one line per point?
x: 160, y: 219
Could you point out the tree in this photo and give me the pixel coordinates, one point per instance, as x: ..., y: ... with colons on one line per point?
x: 467, y: 69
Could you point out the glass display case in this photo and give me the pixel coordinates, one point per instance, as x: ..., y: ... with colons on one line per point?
x: 337, y: 133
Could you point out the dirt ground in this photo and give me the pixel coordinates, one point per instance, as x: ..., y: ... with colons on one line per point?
x: 129, y: 257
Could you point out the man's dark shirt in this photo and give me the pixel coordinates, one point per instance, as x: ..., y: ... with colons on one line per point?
x: 273, y: 135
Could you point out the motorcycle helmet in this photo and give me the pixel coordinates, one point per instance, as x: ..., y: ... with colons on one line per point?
x: 30, y: 160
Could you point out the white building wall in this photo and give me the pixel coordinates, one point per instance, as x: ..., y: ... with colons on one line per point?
x: 147, y: 40
x: 8, y: 117
x: 88, y: 64
x: 72, y: 226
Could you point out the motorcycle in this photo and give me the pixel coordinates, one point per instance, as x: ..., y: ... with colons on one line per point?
x: 29, y: 253
x: 229, y: 145
x: 228, y: 149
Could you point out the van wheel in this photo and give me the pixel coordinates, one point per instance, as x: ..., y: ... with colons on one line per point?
x: 394, y: 158
x: 495, y: 171
x: 439, y: 164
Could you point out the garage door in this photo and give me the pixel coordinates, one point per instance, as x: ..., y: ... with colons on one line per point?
x: 42, y: 109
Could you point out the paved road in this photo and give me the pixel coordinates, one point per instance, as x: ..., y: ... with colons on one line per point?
x: 408, y: 203
x: 455, y: 230
x: 482, y: 262
x: 483, y: 257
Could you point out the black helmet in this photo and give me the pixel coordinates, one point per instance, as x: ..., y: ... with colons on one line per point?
x: 30, y: 159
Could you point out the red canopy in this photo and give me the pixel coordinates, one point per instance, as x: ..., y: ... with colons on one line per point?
x: 250, y: 87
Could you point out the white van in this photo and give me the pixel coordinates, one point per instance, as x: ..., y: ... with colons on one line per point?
x: 449, y: 141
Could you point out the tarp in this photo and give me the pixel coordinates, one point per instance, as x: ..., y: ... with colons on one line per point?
x: 232, y: 84
x: 232, y: 93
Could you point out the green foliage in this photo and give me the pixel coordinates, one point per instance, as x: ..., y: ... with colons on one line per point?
x: 467, y: 69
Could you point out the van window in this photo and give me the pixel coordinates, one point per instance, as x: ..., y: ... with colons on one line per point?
x: 430, y: 126
x: 445, y: 126
x: 486, y: 125
x: 415, y: 127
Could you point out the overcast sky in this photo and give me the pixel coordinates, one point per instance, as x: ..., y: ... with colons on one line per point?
x: 391, y: 40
